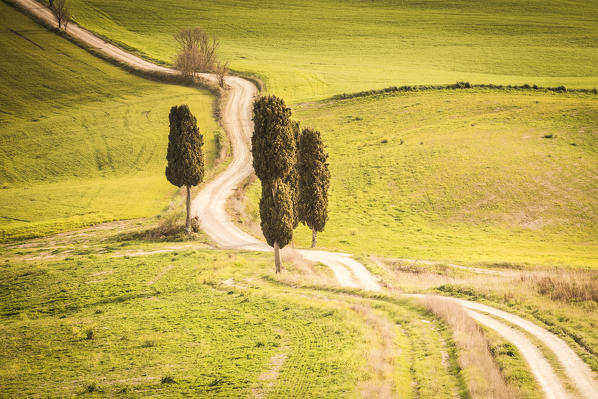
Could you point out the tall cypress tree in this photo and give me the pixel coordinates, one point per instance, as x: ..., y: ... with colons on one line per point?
x: 274, y: 158
x: 292, y: 178
x: 314, y: 181
x: 185, y: 156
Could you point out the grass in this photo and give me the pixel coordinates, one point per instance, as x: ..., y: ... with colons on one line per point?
x: 463, y: 176
x: 191, y: 321
x: 208, y: 339
x: 483, y: 376
x: 83, y: 141
x: 305, y: 50
x: 513, y: 366
x: 572, y: 318
x: 566, y: 287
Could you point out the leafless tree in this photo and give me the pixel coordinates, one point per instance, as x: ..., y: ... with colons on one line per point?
x: 61, y: 10
x: 187, y: 61
x: 221, y: 72
x: 197, y: 53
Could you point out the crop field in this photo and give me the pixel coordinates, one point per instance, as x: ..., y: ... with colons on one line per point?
x: 478, y: 176
x: 82, y: 141
x: 205, y: 323
x: 311, y: 49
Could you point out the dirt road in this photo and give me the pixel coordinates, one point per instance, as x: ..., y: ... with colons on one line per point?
x: 210, y: 203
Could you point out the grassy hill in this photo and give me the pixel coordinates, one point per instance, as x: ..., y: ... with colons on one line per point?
x: 82, y: 141
x: 462, y: 175
x: 208, y: 324
x: 311, y: 49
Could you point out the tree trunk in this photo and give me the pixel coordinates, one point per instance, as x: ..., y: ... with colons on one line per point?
x: 277, y: 257
x: 314, y: 238
x: 188, y: 222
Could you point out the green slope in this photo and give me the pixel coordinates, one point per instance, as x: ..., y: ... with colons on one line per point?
x: 461, y: 175
x: 309, y: 49
x: 81, y: 141
x: 116, y: 326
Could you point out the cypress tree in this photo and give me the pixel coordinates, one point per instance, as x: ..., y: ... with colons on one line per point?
x: 314, y: 181
x: 274, y: 159
x: 185, y: 156
x: 293, y: 177
x: 276, y: 211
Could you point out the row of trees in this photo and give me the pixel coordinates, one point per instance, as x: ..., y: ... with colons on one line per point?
x: 292, y: 166
x: 199, y: 53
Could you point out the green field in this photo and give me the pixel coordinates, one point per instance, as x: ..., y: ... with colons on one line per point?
x: 311, y: 49
x: 472, y: 176
x: 216, y: 323
x: 82, y: 141
x: 502, y: 178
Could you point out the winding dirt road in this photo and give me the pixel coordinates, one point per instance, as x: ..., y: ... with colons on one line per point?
x: 210, y: 203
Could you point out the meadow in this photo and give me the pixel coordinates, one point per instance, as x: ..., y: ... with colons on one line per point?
x: 568, y: 310
x: 114, y: 321
x: 306, y: 50
x: 489, y: 177
x: 500, y: 178
x: 82, y: 141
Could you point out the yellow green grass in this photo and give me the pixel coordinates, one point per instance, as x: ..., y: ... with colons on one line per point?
x: 213, y: 322
x: 479, y: 176
x: 574, y: 317
x: 312, y: 49
x: 82, y: 141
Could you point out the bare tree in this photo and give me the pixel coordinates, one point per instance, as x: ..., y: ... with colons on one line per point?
x: 61, y: 10
x: 221, y: 72
x: 187, y: 61
x: 198, y: 52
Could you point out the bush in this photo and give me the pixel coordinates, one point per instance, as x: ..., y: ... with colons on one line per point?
x: 167, y: 380
x: 195, y: 224
x: 170, y: 225
x: 92, y: 388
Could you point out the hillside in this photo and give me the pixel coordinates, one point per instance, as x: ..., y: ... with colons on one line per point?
x: 307, y: 50
x: 82, y: 141
x: 483, y: 176
x: 204, y: 323
x: 504, y: 178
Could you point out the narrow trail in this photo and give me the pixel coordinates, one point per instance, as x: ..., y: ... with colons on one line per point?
x: 210, y: 204
x: 539, y: 366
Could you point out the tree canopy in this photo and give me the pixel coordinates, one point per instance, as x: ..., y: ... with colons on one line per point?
x: 314, y: 181
x: 185, y: 156
x: 274, y: 152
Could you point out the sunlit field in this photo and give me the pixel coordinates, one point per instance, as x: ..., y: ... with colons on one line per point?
x: 82, y: 141
x: 305, y: 50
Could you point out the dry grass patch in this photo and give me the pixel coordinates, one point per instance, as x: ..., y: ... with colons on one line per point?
x: 380, y: 356
x: 566, y: 286
x: 483, y: 376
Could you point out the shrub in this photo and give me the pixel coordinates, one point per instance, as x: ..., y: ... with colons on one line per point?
x: 195, y: 224
x: 566, y: 287
x: 167, y: 380
x: 92, y: 388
